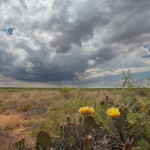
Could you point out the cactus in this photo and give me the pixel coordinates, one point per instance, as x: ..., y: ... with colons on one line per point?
x: 73, y: 130
x: 121, y: 124
x: 43, y: 140
x: 88, y: 143
x: 90, y: 123
x: 119, y: 127
x: 78, y: 131
x: 122, y: 120
x: 19, y: 145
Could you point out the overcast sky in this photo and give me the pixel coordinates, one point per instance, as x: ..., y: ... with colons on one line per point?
x: 73, y: 42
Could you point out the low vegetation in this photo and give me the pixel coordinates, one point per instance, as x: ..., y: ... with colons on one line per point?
x: 76, y: 119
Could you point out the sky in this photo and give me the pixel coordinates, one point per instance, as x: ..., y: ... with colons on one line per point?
x: 76, y: 43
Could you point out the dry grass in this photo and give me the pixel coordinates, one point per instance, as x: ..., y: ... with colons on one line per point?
x: 23, y: 113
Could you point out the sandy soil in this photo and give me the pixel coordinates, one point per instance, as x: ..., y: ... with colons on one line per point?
x: 13, y: 127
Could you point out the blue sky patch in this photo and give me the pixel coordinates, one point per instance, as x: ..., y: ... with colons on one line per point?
x: 9, y: 30
x: 147, y: 46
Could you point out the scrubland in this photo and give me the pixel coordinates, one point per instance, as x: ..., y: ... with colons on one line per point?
x: 26, y: 112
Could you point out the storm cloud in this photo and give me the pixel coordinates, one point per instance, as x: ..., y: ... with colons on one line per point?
x: 71, y: 40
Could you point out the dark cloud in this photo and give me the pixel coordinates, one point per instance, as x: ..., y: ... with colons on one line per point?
x: 38, y: 65
x: 103, y: 55
x: 6, y: 61
x: 80, y: 29
x: 64, y: 40
x: 63, y: 67
x: 130, y: 20
x: 146, y: 56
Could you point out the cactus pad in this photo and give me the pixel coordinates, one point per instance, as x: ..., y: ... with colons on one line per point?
x: 43, y: 140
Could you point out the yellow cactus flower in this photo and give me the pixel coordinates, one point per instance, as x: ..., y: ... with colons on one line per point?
x: 86, y: 110
x: 113, y: 112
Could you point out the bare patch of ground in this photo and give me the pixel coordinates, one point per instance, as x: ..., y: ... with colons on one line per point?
x: 12, y: 127
x: 22, y: 111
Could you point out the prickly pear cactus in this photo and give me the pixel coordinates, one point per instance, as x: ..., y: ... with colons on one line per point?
x: 43, y: 141
x: 90, y: 123
x: 122, y: 120
x: 88, y: 143
x: 121, y: 124
x: 73, y: 132
x: 77, y: 132
x: 72, y: 128
x: 19, y: 145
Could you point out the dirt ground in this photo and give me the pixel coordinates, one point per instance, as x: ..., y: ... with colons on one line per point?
x: 18, y: 110
x: 13, y: 127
